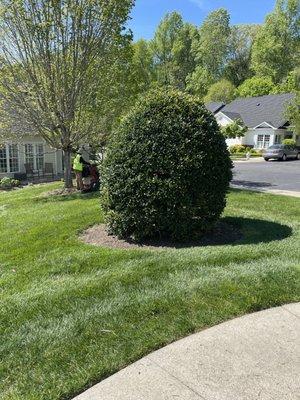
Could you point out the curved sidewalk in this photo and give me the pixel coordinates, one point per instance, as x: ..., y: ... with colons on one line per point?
x: 249, y: 358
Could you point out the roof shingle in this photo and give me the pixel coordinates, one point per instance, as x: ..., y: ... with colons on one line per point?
x: 256, y: 110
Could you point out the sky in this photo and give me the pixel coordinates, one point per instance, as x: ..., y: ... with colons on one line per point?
x: 147, y: 14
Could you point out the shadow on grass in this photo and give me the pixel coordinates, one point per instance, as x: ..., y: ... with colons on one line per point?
x: 251, y: 184
x: 229, y: 231
x: 235, y: 231
x: 255, y: 231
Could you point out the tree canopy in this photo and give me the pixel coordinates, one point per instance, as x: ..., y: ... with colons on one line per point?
x: 277, y: 44
x: 234, y: 130
x: 256, y: 86
x: 51, y: 53
x: 223, y: 91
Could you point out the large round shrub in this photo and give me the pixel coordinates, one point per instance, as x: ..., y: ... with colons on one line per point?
x: 167, y: 170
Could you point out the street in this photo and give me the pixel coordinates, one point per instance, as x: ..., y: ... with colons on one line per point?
x: 267, y: 176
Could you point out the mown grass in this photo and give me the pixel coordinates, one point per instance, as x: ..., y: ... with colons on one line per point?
x: 72, y: 314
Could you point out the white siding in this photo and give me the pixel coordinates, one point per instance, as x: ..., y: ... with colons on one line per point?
x: 222, y: 120
x: 50, y: 155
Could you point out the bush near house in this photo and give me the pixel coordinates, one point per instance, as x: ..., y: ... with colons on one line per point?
x: 289, y: 142
x: 237, y: 148
x: 167, y: 171
x: 240, y: 150
x: 9, y: 183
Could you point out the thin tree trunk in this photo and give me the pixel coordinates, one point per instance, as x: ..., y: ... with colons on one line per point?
x: 68, y: 169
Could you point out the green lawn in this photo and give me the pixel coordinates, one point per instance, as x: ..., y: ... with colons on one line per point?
x: 72, y: 314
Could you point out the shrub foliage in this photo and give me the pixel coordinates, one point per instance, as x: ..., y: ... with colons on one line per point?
x: 167, y: 170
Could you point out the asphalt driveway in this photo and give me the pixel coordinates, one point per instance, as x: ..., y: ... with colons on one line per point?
x: 267, y: 176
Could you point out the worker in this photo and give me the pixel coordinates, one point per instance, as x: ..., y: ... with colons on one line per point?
x: 78, y: 163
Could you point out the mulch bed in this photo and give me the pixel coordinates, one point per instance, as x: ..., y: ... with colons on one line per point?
x: 222, y: 234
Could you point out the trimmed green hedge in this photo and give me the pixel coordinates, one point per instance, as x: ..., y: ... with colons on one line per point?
x: 167, y: 170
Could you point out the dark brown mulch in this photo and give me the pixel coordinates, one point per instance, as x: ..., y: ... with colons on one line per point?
x: 222, y: 234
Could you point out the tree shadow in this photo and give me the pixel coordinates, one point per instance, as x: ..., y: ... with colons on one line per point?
x: 258, y: 230
x: 237, y: 231
x: 233, y: 231
x: 251, y: 184
x: 229, y: 231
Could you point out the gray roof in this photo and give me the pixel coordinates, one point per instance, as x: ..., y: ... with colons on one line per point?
x: 255, y: 110
x: 214, y: 107
x: 232, y: 115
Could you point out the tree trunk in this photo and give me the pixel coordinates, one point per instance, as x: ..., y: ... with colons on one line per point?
x: 68, y: 169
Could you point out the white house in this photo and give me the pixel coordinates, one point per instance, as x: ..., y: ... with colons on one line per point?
x: 31, y: 150
x: 264, y: 116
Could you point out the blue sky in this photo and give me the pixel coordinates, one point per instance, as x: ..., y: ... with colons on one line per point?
x: 147, y: 13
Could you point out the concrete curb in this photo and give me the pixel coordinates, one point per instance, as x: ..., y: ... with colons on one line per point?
x: 253, y: 357
x: 244, y: 160
x: 289, y: 193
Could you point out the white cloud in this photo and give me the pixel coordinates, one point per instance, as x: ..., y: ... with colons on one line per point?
x: 198, y: 3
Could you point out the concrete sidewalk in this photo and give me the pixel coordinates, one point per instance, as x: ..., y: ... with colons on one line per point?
x: 249, y: 358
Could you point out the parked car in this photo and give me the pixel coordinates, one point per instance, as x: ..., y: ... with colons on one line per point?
x: 281, y: 152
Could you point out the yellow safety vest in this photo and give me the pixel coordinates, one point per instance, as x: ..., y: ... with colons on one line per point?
x: 77, y: 165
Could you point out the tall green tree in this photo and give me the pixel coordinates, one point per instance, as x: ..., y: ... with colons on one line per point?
x: 163, y: 45
x: 211, y: 51
x: 212, y: 47
x: 293, y: 113
x: 183, y: 56
x: 222, y: 90
x: 293, y: 110
x: 240, y: 44
x: 199, y: 81
x: 256, y: 86
x: 276, y: 49
x: 290, y: 84
x: 51, y: 53
x: 142, y: 66
x: 172, y: 50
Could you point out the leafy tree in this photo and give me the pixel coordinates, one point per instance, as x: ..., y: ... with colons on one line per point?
x: 293, y: 113
x: 240, y: 41
x: 211, y: 49
x: 289, y: 142
x: 234, y: 130
x: 290, y: 84
x: 172, y: 48
x: 255, y: 86
x: 221, y: 91
x: 163, y: 44
x: 184, y: 58
x: 142, y: 66
x: 276, y: 48
x: 117, y: 87
x: 199, y: 81
x: 51, y: 53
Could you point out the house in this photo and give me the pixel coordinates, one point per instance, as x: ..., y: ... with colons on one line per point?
x: 264, y: 116
x: 31, y: 150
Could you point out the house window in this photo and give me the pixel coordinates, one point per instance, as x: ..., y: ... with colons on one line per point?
x: 263, y: 141
x: 39, y: 156
x: 29, y: 155
x: 34, y: 155
x: 3, y: 159
x: 9, y: 158
x: 13, y: 152
x: 277, y: 139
